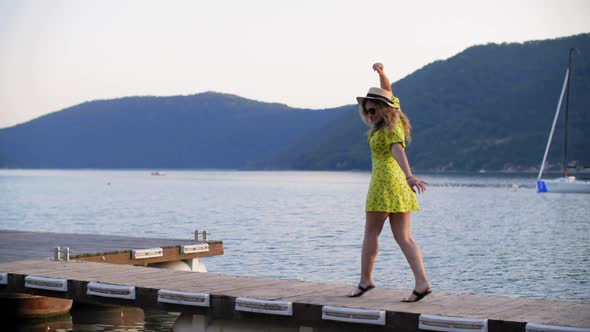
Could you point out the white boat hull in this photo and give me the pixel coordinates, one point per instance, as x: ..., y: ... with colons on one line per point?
x: 563, y: 185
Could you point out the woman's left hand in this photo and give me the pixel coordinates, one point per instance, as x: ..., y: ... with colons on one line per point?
x: 417, y: 184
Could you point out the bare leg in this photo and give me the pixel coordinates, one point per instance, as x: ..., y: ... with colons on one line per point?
x: 373, y: 226
x: 401, y: 228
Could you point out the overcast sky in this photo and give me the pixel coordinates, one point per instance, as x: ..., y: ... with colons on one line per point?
x: 303, y: 53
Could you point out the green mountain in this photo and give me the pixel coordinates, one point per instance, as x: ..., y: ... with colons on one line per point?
x: 207, y: 130
x: 488, y: 107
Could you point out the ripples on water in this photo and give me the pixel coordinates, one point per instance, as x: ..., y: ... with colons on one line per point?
x: 479, y: 234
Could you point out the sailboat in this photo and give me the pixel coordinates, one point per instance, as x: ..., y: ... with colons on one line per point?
x: 566, y: 183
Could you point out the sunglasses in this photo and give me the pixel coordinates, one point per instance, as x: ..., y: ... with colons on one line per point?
x: 371, y: 111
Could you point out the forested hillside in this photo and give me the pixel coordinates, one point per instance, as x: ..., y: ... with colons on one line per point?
x: 489, y: 107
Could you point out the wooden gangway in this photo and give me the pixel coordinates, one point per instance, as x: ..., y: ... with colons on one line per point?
x: 289, y: 302
x: 23, y: 245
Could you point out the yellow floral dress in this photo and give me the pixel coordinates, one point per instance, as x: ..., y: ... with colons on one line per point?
x: 389, y: 191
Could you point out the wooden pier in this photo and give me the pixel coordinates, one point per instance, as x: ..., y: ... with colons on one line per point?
x: 21, y: 245
x: 287, y: 302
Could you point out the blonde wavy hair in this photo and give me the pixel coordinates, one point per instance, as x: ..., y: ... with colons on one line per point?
x: 391, y: 115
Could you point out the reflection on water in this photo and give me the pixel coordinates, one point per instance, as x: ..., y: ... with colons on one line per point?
x: 59, y: 323
x: 102, y: 318
x: 130, y: 319
x: 109, y: 317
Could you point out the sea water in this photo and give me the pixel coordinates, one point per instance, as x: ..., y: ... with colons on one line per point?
x: 479, y: 233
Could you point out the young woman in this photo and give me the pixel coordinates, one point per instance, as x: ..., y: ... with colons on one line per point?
x: 392, y: 192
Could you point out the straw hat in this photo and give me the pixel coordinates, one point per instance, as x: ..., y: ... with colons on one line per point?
x: 378, y: 94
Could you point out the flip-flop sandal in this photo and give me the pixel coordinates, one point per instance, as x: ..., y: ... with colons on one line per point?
x: 362, y: 289
x: 419, y: 296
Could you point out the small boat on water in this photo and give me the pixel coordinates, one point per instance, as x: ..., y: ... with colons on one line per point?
x: 157, y: 173
x: 566, y: 183
x: 563, y: 185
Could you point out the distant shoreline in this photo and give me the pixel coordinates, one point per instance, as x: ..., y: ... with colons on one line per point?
x: 432, y: 172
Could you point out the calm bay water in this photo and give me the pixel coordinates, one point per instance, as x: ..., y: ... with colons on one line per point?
x: 478, y: 233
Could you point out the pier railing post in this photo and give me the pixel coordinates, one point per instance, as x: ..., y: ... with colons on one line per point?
x: 204, y: 234
x: 57, y: 254
x: 60, y: 254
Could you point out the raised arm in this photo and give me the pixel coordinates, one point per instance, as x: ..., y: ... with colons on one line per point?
x: 383, y: 79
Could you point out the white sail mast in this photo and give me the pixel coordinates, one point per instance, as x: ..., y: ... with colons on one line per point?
x: 567, y: 73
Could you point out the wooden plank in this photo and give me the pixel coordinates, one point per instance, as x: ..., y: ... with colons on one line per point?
x: 73, y: 270
x: 279, y: 290
x: 158, y: 279
x: 24, y: 263
x: 379, y: 297
x: 439, y: 297
x: 218, y: 287
x: 105, y: 273
x: 473, y: 305
x: 14, y: 266
x: 520, y: 313
x: 582, y: 323
x: 467, y: 305
x: 189, y: 284
x: 59, y: 267
x: 390, y: 300
x: 432, y: 303
x: 71, y: 275
x: 334, y: 295
x: 171, y: 279
x: 575, y: 314
x: 37, y: 268
x: 543, y: 316
x: 117, y: 274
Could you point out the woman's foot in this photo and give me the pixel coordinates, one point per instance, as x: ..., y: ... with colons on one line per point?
x: 419, y: 293
x: 361, y: 289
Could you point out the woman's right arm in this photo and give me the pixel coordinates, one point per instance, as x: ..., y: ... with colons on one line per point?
x: 383, y: 79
